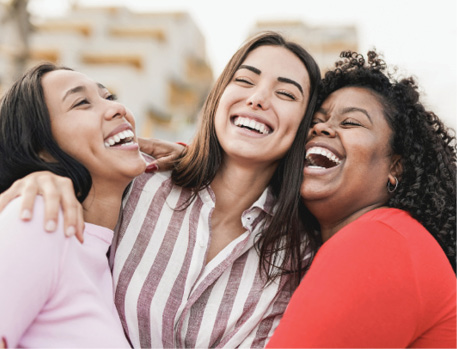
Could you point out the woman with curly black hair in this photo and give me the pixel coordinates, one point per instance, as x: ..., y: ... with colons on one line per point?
x: 379, y: 183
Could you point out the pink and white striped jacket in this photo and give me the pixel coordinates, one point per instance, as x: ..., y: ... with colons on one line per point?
x: 165, y: 293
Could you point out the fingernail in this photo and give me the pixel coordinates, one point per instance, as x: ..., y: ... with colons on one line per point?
x: 71, y: 230
x: 50, y: 226
x: 151, y: 168
x: 26, y: 214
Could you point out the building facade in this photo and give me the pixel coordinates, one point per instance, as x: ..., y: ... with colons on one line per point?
x: 324, y: 43
x: 154, y: 62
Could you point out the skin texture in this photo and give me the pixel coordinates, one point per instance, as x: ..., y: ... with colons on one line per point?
x: 257, y: 92
x: 83, y: 115
x: 250, y: 158
x: 351, y: 124
x: 58, y: 191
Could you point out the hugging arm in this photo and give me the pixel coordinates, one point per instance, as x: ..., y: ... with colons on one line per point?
x: 165, y: 153
x: 58, y: 191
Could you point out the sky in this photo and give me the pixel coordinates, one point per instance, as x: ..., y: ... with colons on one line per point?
x: 419, y: 37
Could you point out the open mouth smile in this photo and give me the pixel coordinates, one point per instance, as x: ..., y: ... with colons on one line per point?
x: 251, y: 124
x: 122, y: 138
x: 322, y: 158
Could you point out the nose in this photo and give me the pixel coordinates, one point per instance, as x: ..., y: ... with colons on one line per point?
x: 258, y: 100
x: 115, y: 109
x: 323, y: 129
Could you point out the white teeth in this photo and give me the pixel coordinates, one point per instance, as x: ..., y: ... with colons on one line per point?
x: 324, y: 152
x: 118, y: 137
x: 252, y: 124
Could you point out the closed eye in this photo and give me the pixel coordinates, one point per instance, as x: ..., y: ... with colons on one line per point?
x: 315, y: 121
x: 287, y: 94
x: 81, y: 102
x: 244, y: 81
x: 351, y: 123
x: 111, y: 97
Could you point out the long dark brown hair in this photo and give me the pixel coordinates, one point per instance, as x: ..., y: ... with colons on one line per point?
x: 200, y: 163
x: 25, y: 132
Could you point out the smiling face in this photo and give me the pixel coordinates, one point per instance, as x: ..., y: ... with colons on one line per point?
x: 349, y: 160
x: 91, y: 127
x: 261, y: 108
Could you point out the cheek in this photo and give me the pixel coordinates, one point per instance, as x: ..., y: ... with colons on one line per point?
x: 130, y: 118
x: 75, y: 138
x: 293, y: 117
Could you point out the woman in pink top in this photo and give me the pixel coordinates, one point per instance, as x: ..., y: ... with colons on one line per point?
x: 56, y: 292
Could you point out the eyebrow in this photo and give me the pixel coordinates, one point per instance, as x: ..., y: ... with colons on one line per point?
x: 361, y: 110
x: 280, y: 79
x: 73, y: 90
x: 251, y: 68
x: 347, y: 110
x: 289, y: 81
x: 79, y: 89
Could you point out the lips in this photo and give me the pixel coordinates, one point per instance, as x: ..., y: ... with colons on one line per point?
x: 321, y: 158
x: 121, y: 136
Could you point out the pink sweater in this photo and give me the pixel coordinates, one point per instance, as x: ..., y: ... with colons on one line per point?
x: 55, y: 292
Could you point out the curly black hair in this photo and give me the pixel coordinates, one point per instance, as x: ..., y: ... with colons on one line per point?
x: 427, y: 188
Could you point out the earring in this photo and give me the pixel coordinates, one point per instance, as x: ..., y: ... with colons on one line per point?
x: 390, y: 187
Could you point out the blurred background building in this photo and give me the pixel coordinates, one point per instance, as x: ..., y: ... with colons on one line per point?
x: 156, y: 63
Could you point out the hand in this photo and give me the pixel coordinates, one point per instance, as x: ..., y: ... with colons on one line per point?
x: 57, y: 193
x: 164, y: 152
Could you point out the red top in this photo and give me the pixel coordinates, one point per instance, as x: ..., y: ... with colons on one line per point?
x: 381, y: 281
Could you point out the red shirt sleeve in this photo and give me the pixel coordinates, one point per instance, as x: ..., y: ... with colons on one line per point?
x: 359, y: 292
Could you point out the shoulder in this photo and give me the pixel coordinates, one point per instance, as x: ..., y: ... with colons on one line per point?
x: 32, y: 231
x: 388, y: 225
x: 150, y: 181
x: 10, y: 216
x: 385, y: 239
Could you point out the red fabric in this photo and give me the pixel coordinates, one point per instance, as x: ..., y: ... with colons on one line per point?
x: 381, y: 281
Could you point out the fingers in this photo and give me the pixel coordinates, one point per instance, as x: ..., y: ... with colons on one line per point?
x: 29, y: 191
x: 80, y: 225
x: 57, y: 193
x: 61, y: 195
x: 8, y: 195
x: 146, y: 145
x: 73, y: 215
x: 166, y: 163
x: 152, y: 167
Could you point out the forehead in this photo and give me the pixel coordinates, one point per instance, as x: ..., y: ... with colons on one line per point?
x: 62, y: 80
x: 359, y: 97
x: 278, y: 61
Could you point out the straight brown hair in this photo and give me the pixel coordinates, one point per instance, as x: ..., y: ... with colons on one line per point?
x: 202, y: 159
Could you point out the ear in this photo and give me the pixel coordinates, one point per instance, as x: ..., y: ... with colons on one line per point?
x: 396, y: 169
x: 45, y: 156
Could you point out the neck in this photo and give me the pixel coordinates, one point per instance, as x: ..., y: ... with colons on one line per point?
x: 333, y: 223
x: 102, y: 206
x: 237, y: 188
